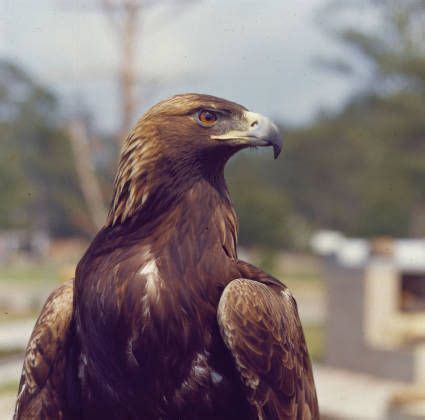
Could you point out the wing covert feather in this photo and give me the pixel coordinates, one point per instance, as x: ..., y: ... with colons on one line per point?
x: 259, y: 324
x: 41, y: 385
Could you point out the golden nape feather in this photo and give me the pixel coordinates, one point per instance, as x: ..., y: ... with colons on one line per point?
x: 162, y: 320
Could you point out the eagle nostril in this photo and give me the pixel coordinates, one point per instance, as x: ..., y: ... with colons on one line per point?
x: 254, y: 123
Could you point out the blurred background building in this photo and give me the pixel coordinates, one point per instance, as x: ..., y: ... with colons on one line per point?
x: 344, y: 79
x: 375, y: 301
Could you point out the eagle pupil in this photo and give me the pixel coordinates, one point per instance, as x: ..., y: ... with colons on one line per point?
x: 209, y: 116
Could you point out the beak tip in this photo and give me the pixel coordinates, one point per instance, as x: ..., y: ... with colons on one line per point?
x: 275, y: 139
x: 276, y: 151
x: 276, y: 142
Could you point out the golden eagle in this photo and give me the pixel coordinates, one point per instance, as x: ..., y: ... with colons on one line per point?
x: 162, y: 320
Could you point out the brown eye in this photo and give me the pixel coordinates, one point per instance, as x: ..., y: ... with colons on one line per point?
x: 207, y: 118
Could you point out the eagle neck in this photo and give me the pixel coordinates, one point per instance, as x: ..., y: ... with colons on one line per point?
x: 182, y: 210
x: 203, y: 217
x: 195, y: 251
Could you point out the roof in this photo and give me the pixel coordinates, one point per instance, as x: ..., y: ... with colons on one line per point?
x: 405, y: 254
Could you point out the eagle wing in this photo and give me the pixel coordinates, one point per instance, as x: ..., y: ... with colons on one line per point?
x: 260, y: 326
x: 41, y: 390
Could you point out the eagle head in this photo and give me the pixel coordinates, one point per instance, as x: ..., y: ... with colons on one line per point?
x: 179, y: 140
x: 208, y: 124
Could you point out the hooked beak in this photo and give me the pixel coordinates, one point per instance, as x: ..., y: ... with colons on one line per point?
x: 257, y: 131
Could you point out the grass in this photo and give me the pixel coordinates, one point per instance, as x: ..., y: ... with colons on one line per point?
x: 11, y: 352
x: 314, y: 335
x: 8, y: 316
x: 9, y: 387
x: 23, y: 285
x: 29, y: 273
x: 300, y: 284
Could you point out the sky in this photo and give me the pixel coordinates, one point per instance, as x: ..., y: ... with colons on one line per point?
x: 262, y: 54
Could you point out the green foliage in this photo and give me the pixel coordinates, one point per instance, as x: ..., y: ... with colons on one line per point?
x: 314, y: 335
x: 361, y: 171
x: 351, y: 173
x: 263, y: 211
x: 37, y: 179
x: 387, y: 119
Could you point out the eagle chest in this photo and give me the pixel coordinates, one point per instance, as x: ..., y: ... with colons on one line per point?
x: 172, y: 317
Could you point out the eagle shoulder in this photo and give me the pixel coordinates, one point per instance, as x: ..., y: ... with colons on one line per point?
x: 260, y: 326
x: 41, y: 383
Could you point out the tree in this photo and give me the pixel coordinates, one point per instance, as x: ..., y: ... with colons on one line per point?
x: 125, y: 20
x: 263, y: 213
x: 124, y: 17
x: 360, y: 170
x: 393, y: 101
x: 37, y: 177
